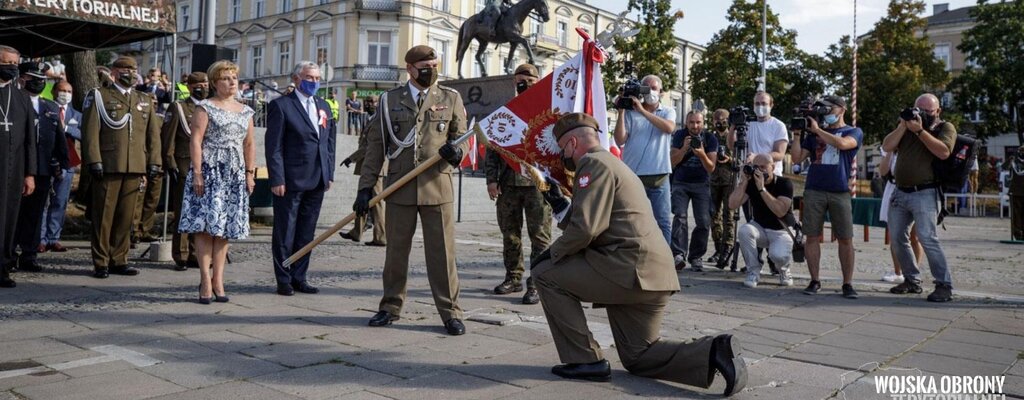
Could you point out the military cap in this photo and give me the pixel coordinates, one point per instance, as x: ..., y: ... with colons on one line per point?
x: 34, y: 69
x: 572, y: 121
x: 196, y: 77
x: 528, y: 70
x: 419, y: 53
x: 125, y: 62
x: 832, y: 100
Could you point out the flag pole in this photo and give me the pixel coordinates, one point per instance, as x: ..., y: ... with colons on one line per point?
x: 429, y: 163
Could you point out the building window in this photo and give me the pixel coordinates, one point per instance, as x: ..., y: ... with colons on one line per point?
x: 942, y: 54
x: 322, y: 42
x: 441, y: 50
x: 322, y: 2
x: 378, y: 47
x: 286, y: 6
x: 236, y: 11
x: 183, y: 16
x: 442, y: 5
x: 258, y: 7
x: 256, y: 55
x: 562, y: 32
x: 183, y: 66
x: 476, y: 66
x: 535, y: 26
x: 284, y: 57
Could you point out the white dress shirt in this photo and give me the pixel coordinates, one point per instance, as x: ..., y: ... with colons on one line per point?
x: 309, y: 103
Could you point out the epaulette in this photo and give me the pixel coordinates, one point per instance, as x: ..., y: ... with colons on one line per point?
x: 447, y: 88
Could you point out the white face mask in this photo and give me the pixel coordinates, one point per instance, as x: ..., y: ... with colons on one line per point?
x: 762, y: 111
x: 652, y: 97
x: 63, y: 98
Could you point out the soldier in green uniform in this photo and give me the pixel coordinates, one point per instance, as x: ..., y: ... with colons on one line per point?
x: 121, y: 146
x: 723, y: 228
x: 356, y: 233
x: 175, y: 138
x: 415, y: 122
x: 515, y: 195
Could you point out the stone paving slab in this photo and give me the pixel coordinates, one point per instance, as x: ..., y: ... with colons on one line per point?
x: 231, y: 390
x: 324, y: 381
x: 128, y: 385
x: 208, y: 371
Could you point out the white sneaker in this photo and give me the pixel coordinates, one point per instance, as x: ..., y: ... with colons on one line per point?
x: 892, y: 277
x: 785, y: 279
x: 751, y: 281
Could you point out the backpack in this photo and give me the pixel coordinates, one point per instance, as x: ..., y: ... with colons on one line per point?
x: 952, y: 172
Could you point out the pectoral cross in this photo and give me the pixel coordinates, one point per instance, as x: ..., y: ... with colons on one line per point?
x: 7, y: 126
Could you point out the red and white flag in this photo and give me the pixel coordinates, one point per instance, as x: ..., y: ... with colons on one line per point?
x: 472, y: 159
x: 521, y: 129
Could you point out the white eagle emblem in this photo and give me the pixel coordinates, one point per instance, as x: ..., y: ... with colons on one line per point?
x: 584, y: 181
x: 546, y: 142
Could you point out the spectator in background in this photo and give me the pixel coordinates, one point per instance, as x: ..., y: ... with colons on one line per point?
x: 53, y: 216
x: 694, y: 155
x: 886, y: 167
x: 723, y: 179
x: 645, y: 135
x: 767, y: 135
x: 354, y: 109
x: 1017, y: 195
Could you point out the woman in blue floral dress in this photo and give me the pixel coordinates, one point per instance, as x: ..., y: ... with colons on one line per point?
x: 215, y: 208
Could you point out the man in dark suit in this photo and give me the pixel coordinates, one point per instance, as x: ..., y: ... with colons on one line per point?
x: 52, y: 161
x: 300, y: 158
x: 53, y: 217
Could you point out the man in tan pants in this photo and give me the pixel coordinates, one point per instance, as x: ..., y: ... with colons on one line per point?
x: 415, y: 122
x: 356, y: 233
x: 611, y: 253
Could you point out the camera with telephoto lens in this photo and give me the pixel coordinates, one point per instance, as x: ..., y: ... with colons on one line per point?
x: 748, y: 170
x: 910, y: 113
x: 740, y: 116
x: 808, y: 109
x: 633, y: 88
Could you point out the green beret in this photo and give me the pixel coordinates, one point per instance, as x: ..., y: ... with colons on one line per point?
x: 419, y: 53
x: 125, y: 62
x: 572, y: 121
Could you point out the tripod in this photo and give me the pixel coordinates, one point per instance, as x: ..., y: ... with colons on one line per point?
x: 739, y: 158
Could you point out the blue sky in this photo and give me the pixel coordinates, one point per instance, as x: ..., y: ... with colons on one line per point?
x: 818, y: 22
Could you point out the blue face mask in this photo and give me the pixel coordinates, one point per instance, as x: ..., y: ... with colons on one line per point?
x: 309, y: 88
x: 831, y: 119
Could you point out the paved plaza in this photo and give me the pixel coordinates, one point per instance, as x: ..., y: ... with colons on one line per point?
x: 66, y: 335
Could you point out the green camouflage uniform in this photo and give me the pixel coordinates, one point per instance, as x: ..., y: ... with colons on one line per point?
x: 723, y: 179
x: 518, y: 196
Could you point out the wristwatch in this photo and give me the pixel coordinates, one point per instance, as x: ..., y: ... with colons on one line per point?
x: 762, y: 190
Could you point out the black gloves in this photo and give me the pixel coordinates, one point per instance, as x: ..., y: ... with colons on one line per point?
x: 362, y: 204
x: 173, y: 175
x: 544, y: 255
x: 96, y: 170
x: 153, y: 171
x: 451, y: 154
x: 346, y: 162
x: 554, y: 196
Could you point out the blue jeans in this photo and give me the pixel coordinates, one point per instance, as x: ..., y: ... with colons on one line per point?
x: 920, y: 208
x: 661, y: 203
x: 682, y: 195
x: 53, y: 215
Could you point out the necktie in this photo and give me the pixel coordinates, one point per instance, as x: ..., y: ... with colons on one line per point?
x: 62, y: 118
x: 419, y: 99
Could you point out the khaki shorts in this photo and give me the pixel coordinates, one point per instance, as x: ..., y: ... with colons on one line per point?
x: 839, y: 208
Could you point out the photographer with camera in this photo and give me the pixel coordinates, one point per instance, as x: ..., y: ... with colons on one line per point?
x: 771, y: 199
x: 919, y: 139
x: 644, y: 132
x: 694, y: 156
x: 765, y: 135
x: 723, y: 178
x: 1017, y: 195
x: 831, y: 147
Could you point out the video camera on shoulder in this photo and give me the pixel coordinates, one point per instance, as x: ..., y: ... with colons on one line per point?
x: 808, y: 109
x: 633, y: 88
x: 740, y: 116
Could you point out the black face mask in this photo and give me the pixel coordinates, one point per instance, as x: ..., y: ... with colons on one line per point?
x: 35, y: 86
x: 199, y: 93
x: 8, y: 72
x: 427, y: 76
x: 126, y: 79
x: 568, y: 163
x: 721, y: 127
x: 928, y: 120
x: 521, y: 87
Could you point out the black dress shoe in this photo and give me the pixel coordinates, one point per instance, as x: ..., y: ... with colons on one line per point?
x: 596, y: 371
x: 285, y: 289
x: 100, y: 274
x: 348, y: 235
x: 124, y: 270
x: 181, y: 267
x: 508, y: 286
x: 383, y: 318
x: 455, y: 327
x: 6, y: 282
x: 376, y: 243
x: 303, y: 287
x: 725, y: 358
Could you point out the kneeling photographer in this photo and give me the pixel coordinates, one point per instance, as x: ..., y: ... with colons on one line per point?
x: 771, y: 199
x: 831, y: 146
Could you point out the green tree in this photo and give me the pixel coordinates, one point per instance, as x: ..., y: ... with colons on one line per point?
x: 894, y: 67
x: 728, y: 73
x: 650, y: 49
x: 996, y: 44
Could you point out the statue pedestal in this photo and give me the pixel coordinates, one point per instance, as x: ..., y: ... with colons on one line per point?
x: 482, y: 96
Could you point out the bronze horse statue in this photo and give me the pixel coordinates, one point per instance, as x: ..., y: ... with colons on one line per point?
x: 508, y: 29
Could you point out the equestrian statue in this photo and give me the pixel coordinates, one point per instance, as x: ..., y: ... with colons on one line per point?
x: 499, y: 25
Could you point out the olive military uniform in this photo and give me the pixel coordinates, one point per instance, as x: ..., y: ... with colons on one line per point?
x: 723, y: 179
x: 356, y: 233
x: 176, y: 138
x: 145, y: 214
x: 518, y: 195
x: 611, y: 253
x: 125, y: 154
x: 407, y: 134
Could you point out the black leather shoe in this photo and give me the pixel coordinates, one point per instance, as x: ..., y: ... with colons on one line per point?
x: 285, y: 289
x: 596, y: 371
x: 181, y: 267
x: 303, y: 287
x: 531, y: 296
x: 725, y: 358
x: 383, y: 318
x: 30, y: 266
x: 375, y: 243
x: 455, y: 327
x: 124, y: 270
x: 508, y: 286
x: 100, y: 274
x: 348, y: 235
x: 6, y: 282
